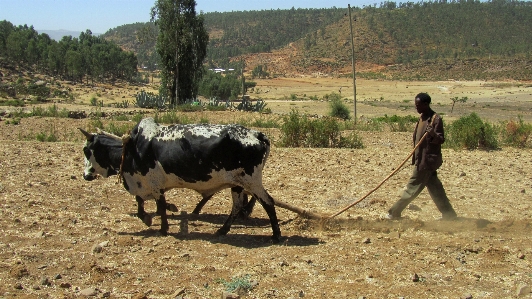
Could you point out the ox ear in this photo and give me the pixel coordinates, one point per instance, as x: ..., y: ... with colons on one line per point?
x: 88, y: 135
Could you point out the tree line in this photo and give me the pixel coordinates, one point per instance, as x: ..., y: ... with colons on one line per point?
x: 85, y: 58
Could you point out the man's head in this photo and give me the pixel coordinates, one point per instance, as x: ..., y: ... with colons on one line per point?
x: 422, y: 102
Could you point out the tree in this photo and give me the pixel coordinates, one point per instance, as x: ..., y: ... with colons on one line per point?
x: 182, y: 47
x: 456, y: 99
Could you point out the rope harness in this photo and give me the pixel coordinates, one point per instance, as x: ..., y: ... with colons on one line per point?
x: 125, y: 139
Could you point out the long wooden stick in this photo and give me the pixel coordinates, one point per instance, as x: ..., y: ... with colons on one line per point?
x: 389, y: 176
x: 300, y: 211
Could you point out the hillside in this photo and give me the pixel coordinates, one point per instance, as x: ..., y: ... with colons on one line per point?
x: 470, y: 40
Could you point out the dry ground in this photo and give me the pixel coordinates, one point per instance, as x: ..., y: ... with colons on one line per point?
x: 62, y: 237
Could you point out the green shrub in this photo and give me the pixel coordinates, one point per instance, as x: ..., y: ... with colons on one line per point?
x: 300, y: 131
x: 516, y: 133
x: 471, y: 132
x: 339, y: 109
x: 293, y: 129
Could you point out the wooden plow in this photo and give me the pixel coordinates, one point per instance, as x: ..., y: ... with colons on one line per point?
x: 310, y: 215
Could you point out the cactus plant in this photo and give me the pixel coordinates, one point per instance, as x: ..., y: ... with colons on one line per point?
x: 150, y: 100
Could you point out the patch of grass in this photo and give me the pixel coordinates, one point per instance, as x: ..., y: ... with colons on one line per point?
x: 121, y: 117
x: 189, y: 108
x: 215, y: 108
x: 172, y: 117
x: 264, y: 123
x: 237, y: 284
x: 117, y: 129
x: 49, y: 136
x: 398, y: 123
x: 14, y: 103
x: 138, y: 117
x: 13, y: 121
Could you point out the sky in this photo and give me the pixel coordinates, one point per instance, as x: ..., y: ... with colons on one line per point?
x: 102, y: 15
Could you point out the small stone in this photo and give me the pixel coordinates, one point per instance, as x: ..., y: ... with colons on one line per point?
x: 104, y: 244
x: 414, y: 207
x: 65, y: 285
x: 229, y: 295
x: 36, y: 287
x: 45, y: 281
x: 366, y: 240
x: 58, y: 276
x: 415, y: 277
x: 73, y: 177
x: 520, y: 256
x: 97, y: 248
x: 301, y: 294
x: 178, y: 292
x: 89, y: 292
x: 523, y: 191
x: 39, y: 234
x: 462, y: 173
x: 523, y: 290
x: 18, y: 286
x: 468, y: 296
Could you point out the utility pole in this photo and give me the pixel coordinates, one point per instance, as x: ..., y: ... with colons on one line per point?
x: 243, y: 79
x: 353, y: 61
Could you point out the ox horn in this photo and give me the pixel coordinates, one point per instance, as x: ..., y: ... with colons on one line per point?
x: 87, y: 134
x: 108, y: 134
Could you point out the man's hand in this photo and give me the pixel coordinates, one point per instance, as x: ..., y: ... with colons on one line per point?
x: 430, y: 130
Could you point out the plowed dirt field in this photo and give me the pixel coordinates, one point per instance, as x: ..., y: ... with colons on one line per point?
x: 63, y: 237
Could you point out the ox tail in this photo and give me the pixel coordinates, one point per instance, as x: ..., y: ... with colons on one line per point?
x: 266, y: 142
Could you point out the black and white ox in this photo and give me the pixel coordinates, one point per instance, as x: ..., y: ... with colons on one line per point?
x: 202, y: 157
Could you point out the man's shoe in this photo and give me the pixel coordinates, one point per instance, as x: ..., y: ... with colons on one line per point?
x: 391, y: 217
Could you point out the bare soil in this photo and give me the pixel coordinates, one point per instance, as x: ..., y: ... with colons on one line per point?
x: 63, y: 237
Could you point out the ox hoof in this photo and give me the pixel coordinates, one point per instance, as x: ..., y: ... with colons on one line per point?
x: 275, y: 239
x: 163, y: 233
x: 221, y: 232
x: 147, y: 220
x: 171, y: 207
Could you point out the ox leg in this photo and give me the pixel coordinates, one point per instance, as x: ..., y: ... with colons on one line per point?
x: 200, y: 204
x: 161, y: 210
x: 268, y: 204
x: 238, y: 203
x: 145, y: 217
x: 247, y: 209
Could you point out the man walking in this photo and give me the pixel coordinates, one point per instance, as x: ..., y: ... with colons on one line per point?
x: 427, y: 159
